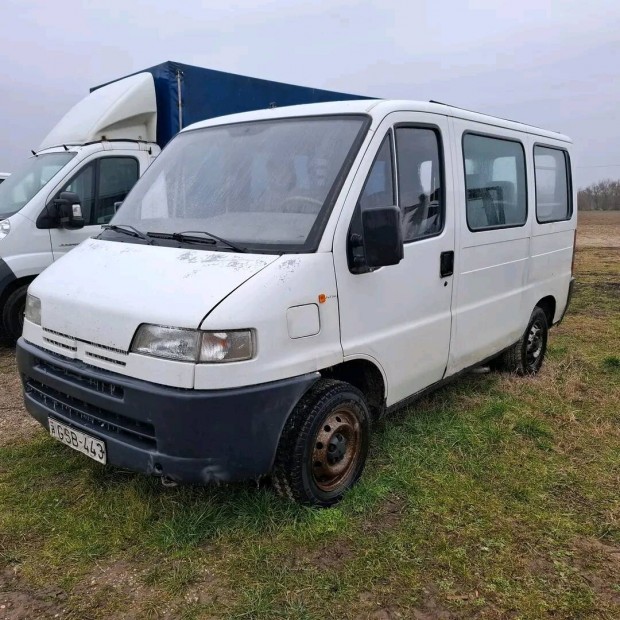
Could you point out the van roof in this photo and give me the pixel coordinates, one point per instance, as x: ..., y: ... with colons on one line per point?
x: 378, y: 108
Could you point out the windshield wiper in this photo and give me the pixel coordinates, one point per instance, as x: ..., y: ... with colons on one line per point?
x: 187, y: 236
x: 128, y: 230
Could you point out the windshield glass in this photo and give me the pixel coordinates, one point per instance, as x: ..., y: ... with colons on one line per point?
x: 263, y: 185
x: 23, y: 185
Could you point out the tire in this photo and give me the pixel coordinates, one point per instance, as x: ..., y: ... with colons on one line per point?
x: 324, y: 445
x: 13, y: 313
x: 526, y: 356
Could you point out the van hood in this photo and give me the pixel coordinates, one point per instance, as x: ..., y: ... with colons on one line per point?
x: 103, y: 290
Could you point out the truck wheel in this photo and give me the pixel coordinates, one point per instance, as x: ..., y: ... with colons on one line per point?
x: 324, y: 444
x: 526, y: 356
x: 13, y: 313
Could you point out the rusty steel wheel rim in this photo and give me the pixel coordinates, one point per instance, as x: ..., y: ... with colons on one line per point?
x: 337, y: 449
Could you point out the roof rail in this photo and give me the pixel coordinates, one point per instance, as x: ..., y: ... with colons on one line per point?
x: 509, y: 120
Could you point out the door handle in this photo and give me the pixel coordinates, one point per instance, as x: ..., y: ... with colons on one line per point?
x: 446, y: 264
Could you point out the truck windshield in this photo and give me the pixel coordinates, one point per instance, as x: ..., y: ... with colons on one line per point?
x: 29, y: 180
x: 263, y: 185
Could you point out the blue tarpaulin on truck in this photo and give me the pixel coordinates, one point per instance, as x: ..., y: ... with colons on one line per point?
x: 206, y: 93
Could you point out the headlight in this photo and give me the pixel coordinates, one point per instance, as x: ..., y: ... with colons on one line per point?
x: 233, y: 346
x: 5, y: 228
x: 189, y: 345
x: 33, y: 309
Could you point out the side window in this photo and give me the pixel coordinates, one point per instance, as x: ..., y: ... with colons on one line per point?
x: 117, y: 175
x: 495, y: 183
x: 379, y: 188
x: 83, y: 184
x: 419, y: 182
x: 552, y: 187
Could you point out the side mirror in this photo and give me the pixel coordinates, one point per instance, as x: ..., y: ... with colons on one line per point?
x: 117, y: 205
x: 381, y: 241
x: 69, y: 208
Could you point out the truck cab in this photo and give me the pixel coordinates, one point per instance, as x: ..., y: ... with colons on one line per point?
x: 97, y: 152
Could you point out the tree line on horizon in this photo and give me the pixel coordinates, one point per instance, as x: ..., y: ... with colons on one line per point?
x: 601, y: 196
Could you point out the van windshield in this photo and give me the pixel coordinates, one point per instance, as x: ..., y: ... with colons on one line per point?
x: 264, y: 185
x: 29, y: 180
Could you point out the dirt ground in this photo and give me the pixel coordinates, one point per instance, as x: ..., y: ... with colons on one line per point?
x: 598, y: 229
x: 15, y: 424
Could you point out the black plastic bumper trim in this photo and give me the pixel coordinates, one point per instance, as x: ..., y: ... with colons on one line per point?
x: 198, y: 436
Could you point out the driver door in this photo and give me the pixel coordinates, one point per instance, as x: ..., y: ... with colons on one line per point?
x: 99, y: 184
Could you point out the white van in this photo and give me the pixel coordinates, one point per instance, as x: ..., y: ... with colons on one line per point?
x: 280, y: 279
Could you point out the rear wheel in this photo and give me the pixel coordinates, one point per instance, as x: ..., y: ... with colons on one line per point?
x: 526, y: 356
x: 13, y: 313
x: 324, y: 445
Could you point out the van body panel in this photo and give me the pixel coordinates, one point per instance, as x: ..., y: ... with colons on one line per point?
x: 550, y: 271
x: 407, y: 305
x: 262, y: 303
x: 492, y: 268
x: 177, y: 288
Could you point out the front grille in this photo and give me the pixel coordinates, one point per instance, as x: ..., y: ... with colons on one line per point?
x: 83, y: 413
x: 103, y: 347
x: 105, y: 359
x: 59, y: 344
x: 103, y: 387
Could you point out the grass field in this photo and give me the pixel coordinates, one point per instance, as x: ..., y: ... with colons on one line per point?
x: 497, y: 497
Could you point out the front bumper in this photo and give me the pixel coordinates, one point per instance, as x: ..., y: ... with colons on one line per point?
x: 185, y: 435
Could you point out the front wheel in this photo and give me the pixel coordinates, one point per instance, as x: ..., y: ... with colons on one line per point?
x: 526, y: 356
x: 324, y: 445
x: 13, y: 313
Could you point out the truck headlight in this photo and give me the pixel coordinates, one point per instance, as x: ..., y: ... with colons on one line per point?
x: 33, y: 309
x: 5, y: 228
x: 190, y: 345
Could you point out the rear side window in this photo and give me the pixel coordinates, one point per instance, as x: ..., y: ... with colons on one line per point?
x: 419, y: 182
x: 495, y: 182
x: 552, y: 187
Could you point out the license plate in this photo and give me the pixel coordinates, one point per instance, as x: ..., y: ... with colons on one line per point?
x: 94, y: 448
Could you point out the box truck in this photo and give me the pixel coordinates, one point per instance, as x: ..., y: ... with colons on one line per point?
x: 97, y: 152
x: 280, y: 279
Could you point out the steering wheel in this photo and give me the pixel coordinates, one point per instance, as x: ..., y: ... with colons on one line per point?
x: 294, y: 204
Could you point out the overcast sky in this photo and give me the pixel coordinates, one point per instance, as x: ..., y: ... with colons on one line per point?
x: 554, y: 64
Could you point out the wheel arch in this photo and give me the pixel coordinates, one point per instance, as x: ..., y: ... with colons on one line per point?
x: 548, y: 305
x: 14, y: 285
x: 367, y: 377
